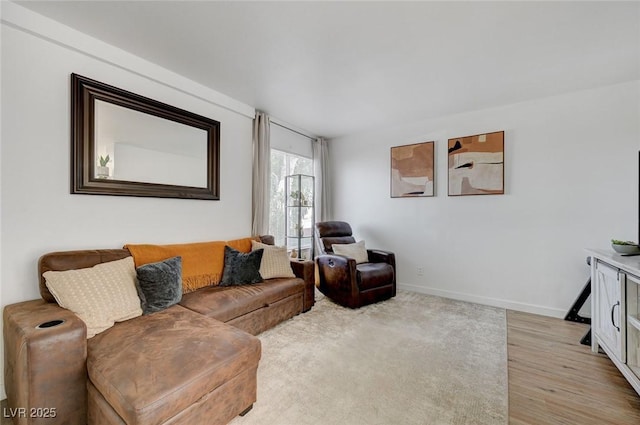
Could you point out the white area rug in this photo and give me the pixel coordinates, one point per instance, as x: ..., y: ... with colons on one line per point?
x: 414, y: 359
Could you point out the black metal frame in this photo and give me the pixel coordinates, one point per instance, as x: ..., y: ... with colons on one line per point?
x: 574, y: 312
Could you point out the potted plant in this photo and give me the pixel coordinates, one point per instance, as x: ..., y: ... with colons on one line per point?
x: 299, y: 198
x: 305, y: 198
x: 625, y: 247
x: 102, y: 171
x: 296, y: 197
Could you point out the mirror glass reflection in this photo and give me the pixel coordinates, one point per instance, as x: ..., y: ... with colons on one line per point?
x: 138, y: 147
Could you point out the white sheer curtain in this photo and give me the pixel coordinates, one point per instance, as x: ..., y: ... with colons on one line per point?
x: 322, y: 183
x: 261, y: 174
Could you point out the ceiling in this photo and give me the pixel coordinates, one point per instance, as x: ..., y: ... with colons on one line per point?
x: 337, y: 68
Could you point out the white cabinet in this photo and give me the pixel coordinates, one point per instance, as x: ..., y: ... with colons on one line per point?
x: 609, y: 306
x: 615, y: 321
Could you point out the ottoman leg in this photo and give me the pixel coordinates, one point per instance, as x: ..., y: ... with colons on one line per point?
x: 247, y: 410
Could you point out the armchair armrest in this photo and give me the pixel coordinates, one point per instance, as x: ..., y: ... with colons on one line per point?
x: 45, y: 352
x: 305, y: 270
x: 337, y: 271
x: 381, y: 256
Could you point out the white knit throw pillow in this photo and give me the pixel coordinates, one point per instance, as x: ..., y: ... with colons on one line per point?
x: 357, y: 251
x: 100, y: 295
x: 275, y: 261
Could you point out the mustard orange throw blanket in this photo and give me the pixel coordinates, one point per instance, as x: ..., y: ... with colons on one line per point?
x: 202, y: 262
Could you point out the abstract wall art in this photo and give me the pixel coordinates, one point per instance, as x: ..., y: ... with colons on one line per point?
x: 476, y: 164
x: 412, y: 170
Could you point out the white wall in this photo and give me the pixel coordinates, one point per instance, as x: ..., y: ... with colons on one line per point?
x: 38, y: 212
x: 2, y: 391
x: 571, y: 182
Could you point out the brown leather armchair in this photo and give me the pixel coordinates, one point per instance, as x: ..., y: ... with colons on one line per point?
x: 347, y: 283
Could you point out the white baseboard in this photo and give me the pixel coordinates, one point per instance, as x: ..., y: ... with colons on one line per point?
x: 494, y: 302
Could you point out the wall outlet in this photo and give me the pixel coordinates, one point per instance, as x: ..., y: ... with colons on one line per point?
x: 420, y: 271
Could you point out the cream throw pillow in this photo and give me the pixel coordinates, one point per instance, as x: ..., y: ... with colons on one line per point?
x: 356, y: 251
x: 100, y: 296
x: 275, y: 261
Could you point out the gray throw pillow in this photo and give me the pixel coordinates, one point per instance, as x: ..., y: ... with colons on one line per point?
x: 160, y: 284
x: 240, y: 268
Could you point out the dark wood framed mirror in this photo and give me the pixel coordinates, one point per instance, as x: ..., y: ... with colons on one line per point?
x: 126, y: 144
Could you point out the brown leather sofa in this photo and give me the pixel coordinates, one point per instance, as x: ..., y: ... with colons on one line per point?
x: 192, y: 363
x: 346, y: 282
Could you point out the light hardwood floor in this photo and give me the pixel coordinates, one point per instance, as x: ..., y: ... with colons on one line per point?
x: 553, y: 379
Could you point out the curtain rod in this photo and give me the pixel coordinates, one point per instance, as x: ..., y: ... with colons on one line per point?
x: 292, y: 130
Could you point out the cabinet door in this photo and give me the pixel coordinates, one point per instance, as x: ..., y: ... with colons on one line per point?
x: 633, y: 324
x: 609, y: 309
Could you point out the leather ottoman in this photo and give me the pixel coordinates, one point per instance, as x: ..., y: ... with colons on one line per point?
x: 171, y: 367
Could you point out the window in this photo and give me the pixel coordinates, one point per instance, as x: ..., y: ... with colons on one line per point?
x: 282, y: 165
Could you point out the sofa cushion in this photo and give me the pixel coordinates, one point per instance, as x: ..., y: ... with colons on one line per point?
x: 275, y: 261
x: 241, y: 268
x: 159, y: 284
x: 152, y: 368
x: 100, y: 295
x: 243, y: 244
x: 227, y: 303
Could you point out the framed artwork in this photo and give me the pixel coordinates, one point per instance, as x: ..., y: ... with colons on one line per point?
x: 412, y: 170
x: 476, y: 164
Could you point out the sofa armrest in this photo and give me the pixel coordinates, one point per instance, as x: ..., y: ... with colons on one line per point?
x: 267, y: 239
x: 305, y: 270
x: 45, y: 361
